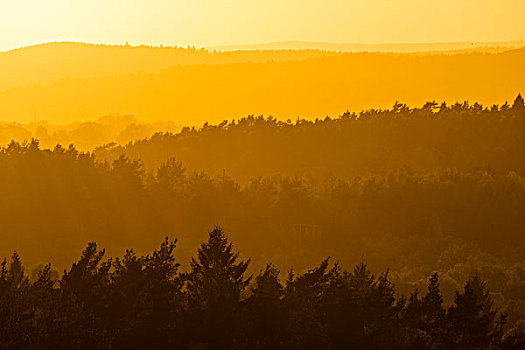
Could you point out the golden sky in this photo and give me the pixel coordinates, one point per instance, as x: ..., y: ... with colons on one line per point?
x: 214, y: 22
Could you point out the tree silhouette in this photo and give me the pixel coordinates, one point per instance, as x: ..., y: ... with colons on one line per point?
x: 145, y: 302
x: 265, y: 316
x: 215, y: 284
x: 473, y: 320
x: 303, y: 298
x: 519, y: 104
x: 427, y: 318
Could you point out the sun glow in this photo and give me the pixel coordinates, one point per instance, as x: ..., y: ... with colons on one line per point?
x: 210, y: 22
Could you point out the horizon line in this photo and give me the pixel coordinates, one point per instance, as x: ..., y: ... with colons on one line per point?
x: 251, y: 46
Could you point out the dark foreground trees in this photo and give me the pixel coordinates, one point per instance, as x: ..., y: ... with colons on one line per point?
x: 148, y: 303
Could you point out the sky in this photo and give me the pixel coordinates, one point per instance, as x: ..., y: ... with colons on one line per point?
x: 212, y: 22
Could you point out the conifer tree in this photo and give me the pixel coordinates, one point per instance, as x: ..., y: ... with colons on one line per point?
x: 473, y: 320
x: 266, y: 317
x: 304, y: 299
x: 432, y: 305
x: 519, y: 104
x: 214, y: 285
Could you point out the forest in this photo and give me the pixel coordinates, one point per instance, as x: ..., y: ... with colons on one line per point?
x: 149, y: 302
x: 119, y: 129
x: 427, y: 203
x: 463, y: 136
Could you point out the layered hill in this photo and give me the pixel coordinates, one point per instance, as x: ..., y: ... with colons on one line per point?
x: 47, y: 63
x: 192, y: 94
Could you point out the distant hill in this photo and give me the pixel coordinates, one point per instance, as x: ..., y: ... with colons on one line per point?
x: 309, y: 88
x: 47, y: 63
x: 400, y: 47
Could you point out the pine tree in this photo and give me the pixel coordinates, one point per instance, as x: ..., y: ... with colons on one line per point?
x: 85, y: 293
x: 214, y: 288
x: 265, y: 316
x: 171, y: 176
x: 147, y: 294
x: 432, y: 303
x: 519, y: 104
x: 473, y: 321
x: 15, y: 275
x: 15, y: 324
x: 304, y: 297
x: 433, y: 314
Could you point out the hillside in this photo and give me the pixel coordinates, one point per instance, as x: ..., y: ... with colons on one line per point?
x: 310, y: 88
x: 47, y: 63
x: 464, y: 136
x: 411, y: 191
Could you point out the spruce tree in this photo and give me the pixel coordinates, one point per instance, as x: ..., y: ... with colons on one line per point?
x: 473, y: 320
x: 519, y: 104
x: 265, y: 317
x: 214, y: 285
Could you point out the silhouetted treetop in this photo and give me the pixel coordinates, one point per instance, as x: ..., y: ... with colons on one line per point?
x: 143, y: 302
x: 518, y: 104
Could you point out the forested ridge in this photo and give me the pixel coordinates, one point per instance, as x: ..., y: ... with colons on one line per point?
x: 437, y: 189
x: 463, y: 136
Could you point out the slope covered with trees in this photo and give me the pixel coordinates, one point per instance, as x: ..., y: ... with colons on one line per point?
x: 376, y: 185
x: 463, y: 136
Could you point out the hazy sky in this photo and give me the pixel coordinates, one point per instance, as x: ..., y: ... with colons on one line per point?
x: 214, y: 22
